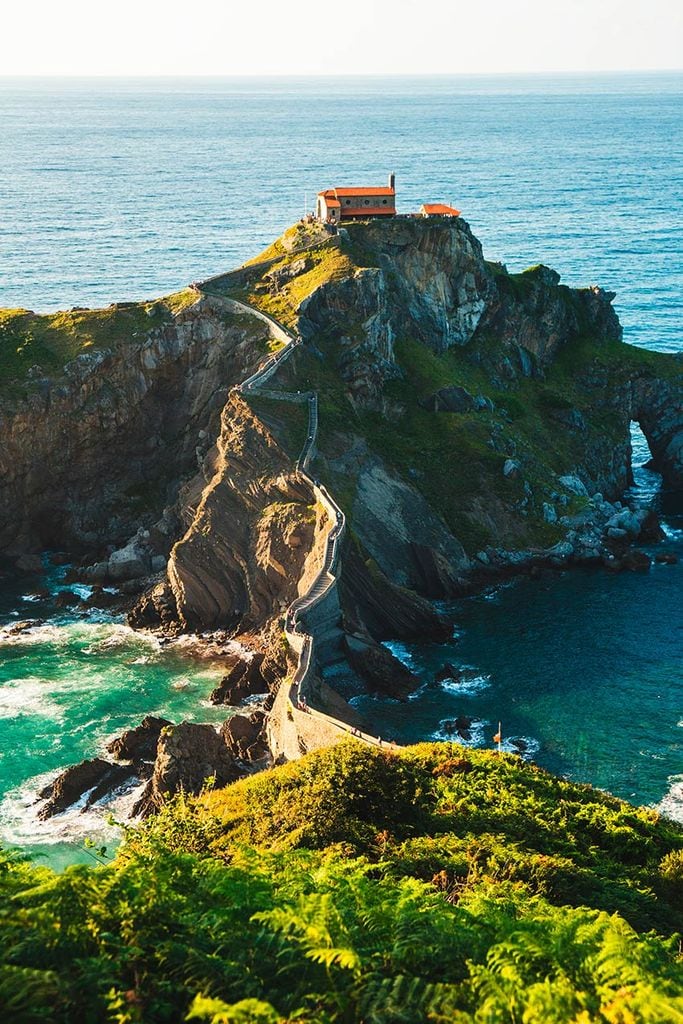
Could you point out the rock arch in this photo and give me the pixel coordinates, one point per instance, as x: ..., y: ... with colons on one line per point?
x: 656, y: 405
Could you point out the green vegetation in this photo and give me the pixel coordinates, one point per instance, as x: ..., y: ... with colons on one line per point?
x: 295, y: 237
x: 449, y: 457
x: 435, y: 885
x: 51, y: 340
x: 325, y: 263
x: 456, y: 460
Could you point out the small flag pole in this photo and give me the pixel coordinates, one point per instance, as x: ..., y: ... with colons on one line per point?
x: 500, y: 738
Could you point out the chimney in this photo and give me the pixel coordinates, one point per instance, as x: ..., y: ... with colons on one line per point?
x: 392, y: 180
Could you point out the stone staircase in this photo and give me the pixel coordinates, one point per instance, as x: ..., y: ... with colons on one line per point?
x: 313, y: 621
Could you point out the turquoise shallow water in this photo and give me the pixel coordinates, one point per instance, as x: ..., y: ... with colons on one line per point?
x: 128, y: 189
x: 66, y: 687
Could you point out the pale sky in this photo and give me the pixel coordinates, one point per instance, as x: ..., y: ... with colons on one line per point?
x: 249, y: 37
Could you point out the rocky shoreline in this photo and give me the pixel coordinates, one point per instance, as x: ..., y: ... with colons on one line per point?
x: 165, y: 758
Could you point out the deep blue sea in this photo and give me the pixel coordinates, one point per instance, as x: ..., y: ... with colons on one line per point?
x: 126, y: 189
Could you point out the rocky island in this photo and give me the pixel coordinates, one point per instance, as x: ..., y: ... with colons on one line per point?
x: 189, y: 454
x: 283, y: 467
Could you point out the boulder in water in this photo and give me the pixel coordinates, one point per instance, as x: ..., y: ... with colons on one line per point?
x: 651, y: 531
x: 59, y: 558
x: 636, y: 561
x: 666, y: 558
x: 101, y: 599
x: 448, y: 671
x: 15, y: 628
x: 72, y: 784
x: 130, y: 563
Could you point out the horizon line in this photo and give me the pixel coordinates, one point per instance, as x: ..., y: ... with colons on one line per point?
x: 342, y: 74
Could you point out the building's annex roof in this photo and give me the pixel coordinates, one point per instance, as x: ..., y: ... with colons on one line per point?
x: 440, y: 209
x: 331, y: 202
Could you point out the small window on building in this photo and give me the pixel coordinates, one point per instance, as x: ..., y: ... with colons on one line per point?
x: 384, y: 202
x: 366, y: 202
x: 348, y: 202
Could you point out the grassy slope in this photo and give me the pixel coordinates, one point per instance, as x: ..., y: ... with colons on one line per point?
x: 51, y: 340
x: 483, y: 890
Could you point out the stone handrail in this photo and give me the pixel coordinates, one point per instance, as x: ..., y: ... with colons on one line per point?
x: 302, y: 642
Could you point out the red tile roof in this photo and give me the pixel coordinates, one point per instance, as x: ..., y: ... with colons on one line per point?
x: 439, y: 209
x: 378, y: 191
x: 331, y: 202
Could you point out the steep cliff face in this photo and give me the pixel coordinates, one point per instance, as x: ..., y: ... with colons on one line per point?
x: 467, y: 414
x: 252, y: 534
x: 91, y: 450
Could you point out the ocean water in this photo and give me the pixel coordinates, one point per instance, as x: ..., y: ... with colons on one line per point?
x: 584, y: 668
x: 67, y: 686
x: 128, y: 189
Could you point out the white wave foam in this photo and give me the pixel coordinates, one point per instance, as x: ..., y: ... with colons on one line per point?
x: 111, y: 636
x: 99, y: 635
x: 416, y: 694
x: 470, y: 683
x: 531, y: 746
x: 477, y: 733
x: 671, y: 804
x: 481, y: 735
x: 20, y: 825
x: 27, y: 696
x: 400, y: 651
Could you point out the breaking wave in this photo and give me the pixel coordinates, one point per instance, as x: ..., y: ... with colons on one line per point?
x: 21, y: 826
x: 671, y: 805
